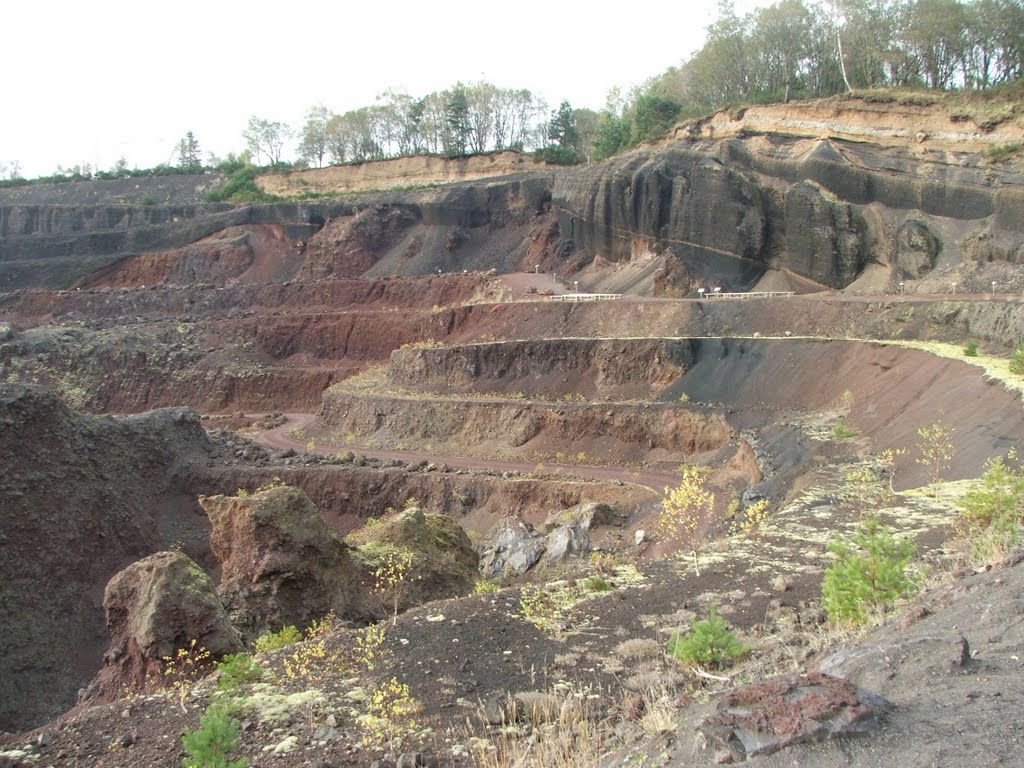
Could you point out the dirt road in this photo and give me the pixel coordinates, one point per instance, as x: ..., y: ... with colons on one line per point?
x: 281, y: 437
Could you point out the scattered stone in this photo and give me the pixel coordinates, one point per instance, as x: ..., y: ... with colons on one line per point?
x: 913, y: 616
x: 502, y: 709
x: 286, y: 745
x: 331, y: 721
x: 1012, y: 558
x: 326, y: 734
x: 781, y: 583
x: 639, y: 537
x: 762, y: 718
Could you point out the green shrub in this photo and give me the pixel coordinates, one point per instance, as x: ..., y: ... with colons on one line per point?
x: 217, y: 736
x: 272, y: 641
x: 869, y: 573
x: 1017, y: 360
x: 709, y: 642
x: 596, y: 583
x: 486, y: 587
x: 235, y: 669
x: 971, y: 349
x: 992, y: 511
x: 998, y: 153
x: 841, y: 431
x: 240, y: 188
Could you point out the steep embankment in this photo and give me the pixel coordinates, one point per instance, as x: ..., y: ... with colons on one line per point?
x: 499, y: 224
x: 81, y: 498
x: 840, y: 193
x: 278, y: 346
x: 265, y: 347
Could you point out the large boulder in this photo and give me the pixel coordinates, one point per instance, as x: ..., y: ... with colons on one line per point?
x: 513, y: 547
x: 280, y: 564
x: 568, y: 531
x: 441, y: 560
x: 154, y: 607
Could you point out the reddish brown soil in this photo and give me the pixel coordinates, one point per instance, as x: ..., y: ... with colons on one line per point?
x: 278, y: 346
x: 257, y: 253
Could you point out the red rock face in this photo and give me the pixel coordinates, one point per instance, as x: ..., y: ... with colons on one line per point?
x: 254, y: 253
x: 280, y: 564
x: 762, y: 718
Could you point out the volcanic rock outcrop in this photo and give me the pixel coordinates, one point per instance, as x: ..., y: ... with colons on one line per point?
x: 762, y: 718
x: 155, y: 607
x: 434, y: 553
x: 786, y: 188
x: 513, y: 546
x: 280, y: 564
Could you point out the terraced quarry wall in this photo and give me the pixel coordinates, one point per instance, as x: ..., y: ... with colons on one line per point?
x: 889, y: 391
x: 612, y: 433
x: 594, y: 369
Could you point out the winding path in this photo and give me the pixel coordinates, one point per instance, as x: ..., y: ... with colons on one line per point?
x: 652, y: 479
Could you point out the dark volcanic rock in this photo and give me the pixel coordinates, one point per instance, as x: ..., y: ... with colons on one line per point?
x: 155, y: 607
x: 916, y: 249
x: 730, y: 207
x: 824, y: 236
x: 690, y: 202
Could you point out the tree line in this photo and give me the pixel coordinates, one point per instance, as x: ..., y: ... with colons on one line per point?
x: 790, y: 49
x: 460, y: 120
x: 823, y: 49
x: 793, y: 49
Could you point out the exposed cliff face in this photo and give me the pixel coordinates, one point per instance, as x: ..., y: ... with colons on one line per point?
x: 61, y: 246
x: 736, y: 194
x: 398, y: 172
x: 592, y: 368
x: 819, y: 190
x: 500, y: 224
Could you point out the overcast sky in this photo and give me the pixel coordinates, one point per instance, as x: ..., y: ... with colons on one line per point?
x: 90, y: 82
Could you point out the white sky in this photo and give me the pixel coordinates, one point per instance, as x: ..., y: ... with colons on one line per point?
x: 89, y: 82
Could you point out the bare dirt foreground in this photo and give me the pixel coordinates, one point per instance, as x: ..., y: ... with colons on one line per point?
x: 950, y: 663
